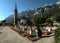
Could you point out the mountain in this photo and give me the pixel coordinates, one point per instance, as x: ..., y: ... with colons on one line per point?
x: 29, y: 14
x: 49, y: 9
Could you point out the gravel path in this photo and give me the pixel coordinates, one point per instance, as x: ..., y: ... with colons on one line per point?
x: 9, y: 36
x: 46, y: 40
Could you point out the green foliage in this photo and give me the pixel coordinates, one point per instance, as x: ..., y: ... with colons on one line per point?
x: 50, y: 22
x: 40, y: 19
x: 36, y: 19
x: 1, y: 23
x: 57, y: 35
x: 57, y: 18
x: 56, y: 14
x: 29, y: 22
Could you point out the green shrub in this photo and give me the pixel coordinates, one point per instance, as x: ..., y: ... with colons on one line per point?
x: 57, y: 35
x: 1, y: 24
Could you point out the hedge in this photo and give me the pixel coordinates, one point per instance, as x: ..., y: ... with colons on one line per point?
x: 57, y: 35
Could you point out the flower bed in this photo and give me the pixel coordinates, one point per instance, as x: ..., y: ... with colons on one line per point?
x: 26, y: 35
x: 16, y: 30
x: 21, y: 32
x: 44, y: 32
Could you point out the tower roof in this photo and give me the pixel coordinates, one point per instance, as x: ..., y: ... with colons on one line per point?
x: 15, y: 6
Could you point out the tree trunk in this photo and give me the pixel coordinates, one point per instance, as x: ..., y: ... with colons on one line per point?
x: 39, y: 32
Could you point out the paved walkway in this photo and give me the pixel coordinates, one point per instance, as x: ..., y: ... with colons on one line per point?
x: 9, y: 36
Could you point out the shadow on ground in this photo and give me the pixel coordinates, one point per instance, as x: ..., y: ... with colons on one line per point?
x: 36, y: 39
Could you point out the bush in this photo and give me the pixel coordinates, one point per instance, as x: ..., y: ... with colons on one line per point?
x: 1, y: 24
x: 57, y: 35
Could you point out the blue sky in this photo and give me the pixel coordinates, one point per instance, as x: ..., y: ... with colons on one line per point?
x: 7, y: 6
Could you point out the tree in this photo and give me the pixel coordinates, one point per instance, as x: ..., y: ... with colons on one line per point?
x: 38, y: 20
x: 57, y: 18
x: 49, y: 22
x: 1, y: 23
x: 29, y: 23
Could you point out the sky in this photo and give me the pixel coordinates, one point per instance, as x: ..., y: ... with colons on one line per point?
x: 7, y: 6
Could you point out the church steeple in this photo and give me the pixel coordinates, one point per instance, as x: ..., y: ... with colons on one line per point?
x: 15, y: 15
x: 15, y: 6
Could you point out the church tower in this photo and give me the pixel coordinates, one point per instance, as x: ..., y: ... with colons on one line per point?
x: 15, y: 15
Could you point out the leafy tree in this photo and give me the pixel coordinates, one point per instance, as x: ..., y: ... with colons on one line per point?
x: 28, y: 22
x: 1, y: 23
x: 49, y: 22
x: 57, y: 18
x: 38, y: 20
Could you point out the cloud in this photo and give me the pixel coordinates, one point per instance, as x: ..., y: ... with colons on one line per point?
x: 58, y: 2
x: 47, y: 4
